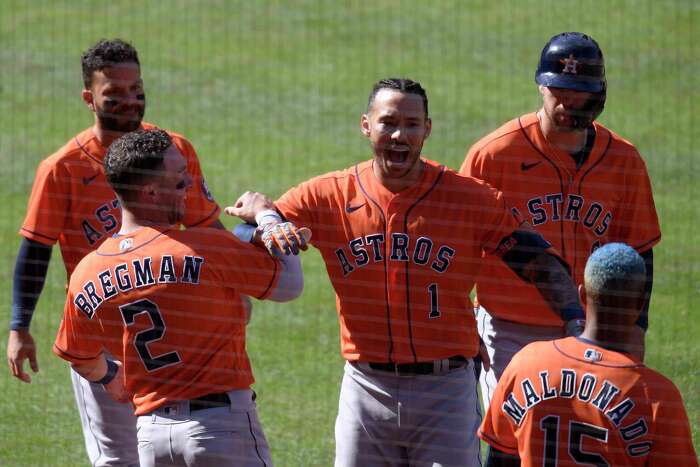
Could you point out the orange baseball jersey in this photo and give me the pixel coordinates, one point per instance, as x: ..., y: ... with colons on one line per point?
x: 73, y: 204
x: 568, y: 402
x: 608, y: 199
x: 167, y: 304
x: 402, y: 264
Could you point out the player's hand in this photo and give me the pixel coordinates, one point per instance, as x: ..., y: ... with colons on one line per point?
x: 283, y: 239
x: 574, y: 327
x: 248, y: 205
x: 116, y: 388
x: 21, y: 347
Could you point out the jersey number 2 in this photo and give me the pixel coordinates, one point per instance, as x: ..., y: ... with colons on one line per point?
x: 142, y: 338
x: 577, y: 430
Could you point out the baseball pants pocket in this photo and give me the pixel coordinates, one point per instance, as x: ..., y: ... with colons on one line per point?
x: 220, y: 437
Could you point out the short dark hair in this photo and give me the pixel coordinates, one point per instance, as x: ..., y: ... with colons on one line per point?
x: 135, y: 158
x: 106, y: 53
x: 399, y: 84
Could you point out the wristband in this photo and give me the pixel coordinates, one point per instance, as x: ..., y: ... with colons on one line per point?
x: 572, y: 311
x: 244, y: 232
x: 268, y: 216
x: 112, y: 369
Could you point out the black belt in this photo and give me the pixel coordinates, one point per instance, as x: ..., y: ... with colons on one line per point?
x: 210, y: 401
x: 420, y: 368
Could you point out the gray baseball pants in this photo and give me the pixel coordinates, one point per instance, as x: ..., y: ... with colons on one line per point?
x: 213, y: 437
x: 503, y: 339
x: 418, y: 421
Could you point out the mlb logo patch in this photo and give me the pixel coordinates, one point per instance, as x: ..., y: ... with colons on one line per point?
x: 126, y: 244
x: 592, y: 355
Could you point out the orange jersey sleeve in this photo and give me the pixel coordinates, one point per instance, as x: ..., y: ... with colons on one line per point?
x: 48, y: 204
x: 71, y: 343
x: 672, y: 439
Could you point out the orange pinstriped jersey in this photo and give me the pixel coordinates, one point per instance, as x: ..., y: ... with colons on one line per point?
x: 167, y: 304
x: 402, y: 264
x: 72, y: 203
x: 568, y: 402
x: 608, y: 199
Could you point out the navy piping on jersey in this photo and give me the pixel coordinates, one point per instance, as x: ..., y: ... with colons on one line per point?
x: 554, y: 343
x: 580, y: 184
x: 561, y: 181
x: 40, y: 235
x: 408, y: 285
x: 386, y: 272
x: 82, y: 148
x: 134, y: 248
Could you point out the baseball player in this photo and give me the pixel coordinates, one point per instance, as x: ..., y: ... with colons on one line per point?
x: 589, y: 400
x: 576, y: 182
x: 166, y: 304
x: 71, y: 203
x: 402, y: 238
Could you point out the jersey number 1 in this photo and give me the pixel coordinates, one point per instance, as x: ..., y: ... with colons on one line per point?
x: 142, y: 338
x: 434, y: 309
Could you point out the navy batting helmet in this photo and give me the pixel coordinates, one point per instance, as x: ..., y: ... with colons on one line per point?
x: 572, y: 60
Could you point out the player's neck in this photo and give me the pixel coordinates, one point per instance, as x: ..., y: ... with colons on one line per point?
x: 396, y: 185
x: 570, y: 142
x: 609, y: 337
x: 105, y: 137
x: 133, y: 221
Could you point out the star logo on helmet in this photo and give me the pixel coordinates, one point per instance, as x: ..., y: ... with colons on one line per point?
x: 570, y: 64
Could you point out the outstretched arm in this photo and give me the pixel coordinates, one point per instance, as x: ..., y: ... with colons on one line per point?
x: 31, y: 267
x: 528, y: 257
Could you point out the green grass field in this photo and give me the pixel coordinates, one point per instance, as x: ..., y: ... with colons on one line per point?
x: 271, y: 92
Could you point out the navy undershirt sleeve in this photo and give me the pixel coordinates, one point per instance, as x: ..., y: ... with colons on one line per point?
x: 30, y: 274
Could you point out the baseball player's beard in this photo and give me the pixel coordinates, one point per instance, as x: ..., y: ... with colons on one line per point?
x: 118, y: 123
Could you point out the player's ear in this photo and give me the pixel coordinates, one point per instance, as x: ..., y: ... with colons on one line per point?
x: 149, y: 191
x: 364, y: 125
x: 541, y: 88
x: 428, y: 127
x: 582, y: 295
x: 88, y: 99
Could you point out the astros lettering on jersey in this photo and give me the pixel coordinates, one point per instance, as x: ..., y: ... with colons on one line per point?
x: 169, y: 302
x: 402, y: 264
x: 71, y: 202
x: 569, y: 402
x: 608, y: 199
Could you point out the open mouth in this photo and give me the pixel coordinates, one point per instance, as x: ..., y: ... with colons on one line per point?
x: 396, y: 155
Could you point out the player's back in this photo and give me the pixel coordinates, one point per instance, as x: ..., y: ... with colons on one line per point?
x: 167, y: 303
x: 570, y: 402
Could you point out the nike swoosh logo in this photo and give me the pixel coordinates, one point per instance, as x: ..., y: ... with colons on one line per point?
x: 524, y: 166
x: 349, y: 209
x: 88, y: 180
